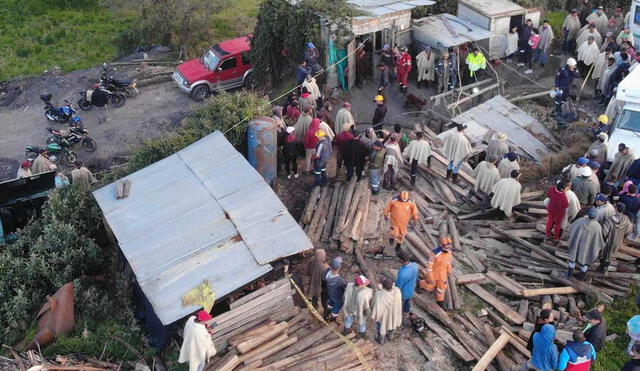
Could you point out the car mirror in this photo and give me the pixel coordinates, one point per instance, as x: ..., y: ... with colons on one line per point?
x: 219, y: 69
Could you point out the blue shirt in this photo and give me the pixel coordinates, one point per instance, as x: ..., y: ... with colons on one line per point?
x: 407, y: 280
x: 574, y: 350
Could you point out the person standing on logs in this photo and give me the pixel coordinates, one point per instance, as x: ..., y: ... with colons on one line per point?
x: 419, y: 152
x: 402, y: 210
x: 387, y: 310
x: 406, y: 281
x: 357, y: 305
x: 506, y: 193
x: 615, y: 229
x: 456, y: 149
x: 557, y: 209
x: 437, y: 274
x: 487, y: 176
x: 316, y: 270
x: 335, y: 289
x: 585, y: 243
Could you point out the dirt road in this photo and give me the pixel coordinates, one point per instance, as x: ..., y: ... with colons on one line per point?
x: 158, y: 109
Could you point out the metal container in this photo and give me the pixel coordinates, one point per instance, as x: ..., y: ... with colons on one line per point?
x: 262, y: 151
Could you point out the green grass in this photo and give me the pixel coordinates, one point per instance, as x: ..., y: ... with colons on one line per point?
x: 32, y: 42
x: 613, y: 356
x: 556, y: 19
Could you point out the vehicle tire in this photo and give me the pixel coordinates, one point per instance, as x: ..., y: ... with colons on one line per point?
x: 71, y: 157
x: 84, y: 104
x: 200, y: 92
x: 89, y: 145
x: 51, y: 115
x: 50, y: 140
x: 249, y: 82
x: 118, y: 99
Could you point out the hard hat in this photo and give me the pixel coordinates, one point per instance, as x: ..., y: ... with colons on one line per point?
x: 445, y: 241
x: 572, y: 62
x: 321, y: 134
x: 379, y: 98
x: 603, y: 119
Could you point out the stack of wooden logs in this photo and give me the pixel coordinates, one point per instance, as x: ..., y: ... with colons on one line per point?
x: 32, y: 359
x: 265, y: 331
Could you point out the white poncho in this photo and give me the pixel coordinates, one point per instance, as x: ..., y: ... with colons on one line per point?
x: 387, y: 309
x: 506, y: 195
x: 512, y: 43
x: 601, y: 64
x: 584, y: 36
x: 506, y: 166
x: 605, y: 76
x: 487, y: 176
x: 357, y: 302
x: 546, y: 37
x: 456, y: 146
x: 197, y: 346
x: 588, y: 53
x: 600, y: 20
x: 572, y: 24
x: 393, y: 156
x: 344, y: 119
x: 312, y: 87
x: 426, y: 66
x: 621, y: 35
x: 418, y: 150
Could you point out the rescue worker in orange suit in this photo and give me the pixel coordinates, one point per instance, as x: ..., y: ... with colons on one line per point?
x: 402, y: 210
x: 440, y: 265
x: 404, y: 69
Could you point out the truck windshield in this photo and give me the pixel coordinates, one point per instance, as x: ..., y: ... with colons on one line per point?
x: 629, y: 120
x: 211, y: 60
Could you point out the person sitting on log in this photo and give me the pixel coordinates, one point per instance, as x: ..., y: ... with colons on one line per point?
x: 440, y: 265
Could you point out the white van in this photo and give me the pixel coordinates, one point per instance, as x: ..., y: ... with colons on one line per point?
x: 634, y: 23
x: 626, y: 128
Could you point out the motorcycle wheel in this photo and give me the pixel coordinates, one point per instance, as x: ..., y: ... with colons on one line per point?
x: 84, y: 104
x: 50, y: 140
x: 89, y: 145
x: 51, y: 115
x: 71, y: 157
x: 118, y: 99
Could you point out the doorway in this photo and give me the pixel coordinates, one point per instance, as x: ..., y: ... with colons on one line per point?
x: 516, y: 21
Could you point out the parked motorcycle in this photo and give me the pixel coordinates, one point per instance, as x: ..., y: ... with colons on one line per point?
x: 72, y: 138
x: 127, y: 87
x: 117, y: 99
x: 62, y: 115
x: 56, y: 151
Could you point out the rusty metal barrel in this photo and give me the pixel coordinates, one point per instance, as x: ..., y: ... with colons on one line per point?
x: 262, y: 152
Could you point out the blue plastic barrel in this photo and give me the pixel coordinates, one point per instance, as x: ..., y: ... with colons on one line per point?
x: 262, y: 140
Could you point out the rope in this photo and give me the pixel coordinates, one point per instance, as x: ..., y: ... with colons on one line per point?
x: 299, y: 85
x: 315, y: 313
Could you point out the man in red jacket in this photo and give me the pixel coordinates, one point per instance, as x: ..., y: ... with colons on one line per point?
x: 557, y: 207
x: 404, y: 68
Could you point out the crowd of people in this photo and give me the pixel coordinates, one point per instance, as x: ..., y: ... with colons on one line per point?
x: 42, y: 164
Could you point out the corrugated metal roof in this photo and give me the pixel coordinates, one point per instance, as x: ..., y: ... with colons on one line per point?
x: 434, y: 32
x: 493, y: 7
x: 201, y: 213
x: 379, y: 8
x: 500, y: 115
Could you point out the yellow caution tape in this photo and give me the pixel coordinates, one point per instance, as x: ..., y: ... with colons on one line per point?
x: 315, y: 313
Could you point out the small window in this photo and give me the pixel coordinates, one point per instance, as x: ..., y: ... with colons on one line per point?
x: 228, y: 64
x: 245, y: 58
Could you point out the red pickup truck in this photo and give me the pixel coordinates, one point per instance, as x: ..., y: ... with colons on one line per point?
x: 225, y: 66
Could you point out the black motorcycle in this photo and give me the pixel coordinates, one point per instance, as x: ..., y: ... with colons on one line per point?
x: 72, y: 138
x: 127, y: 87
x: 117, y: 99
x: 64, y: 114
x: 55, y: 150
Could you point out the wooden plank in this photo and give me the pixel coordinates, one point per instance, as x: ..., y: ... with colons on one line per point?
x: 503, y: 308
x: 470, y: 278
x: 582, y: 287
x: 493, y: 351
x: 311, y: 204
x: 549, y: 291
x: 505, y: 282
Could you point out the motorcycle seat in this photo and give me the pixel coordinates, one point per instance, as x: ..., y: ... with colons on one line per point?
x: 122, y: 82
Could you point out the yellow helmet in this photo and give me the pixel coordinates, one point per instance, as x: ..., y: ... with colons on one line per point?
x: 379, y: 98
x: 321, y: 134
x: 603, y: 119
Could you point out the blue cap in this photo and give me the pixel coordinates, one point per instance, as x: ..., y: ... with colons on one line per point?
x: 511, y: 156
x: 310, y: 45
x: 337, y: 262
x: 592, y: 213
x: 594, y: 164
x: 582, y: 161
x: 601, y: 197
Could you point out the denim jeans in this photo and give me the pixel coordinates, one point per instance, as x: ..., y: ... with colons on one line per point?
x: 348, y: 322
x: 541, y: 57
x: 335, y: 306
x: 456, y: 168
x: 406, y: 305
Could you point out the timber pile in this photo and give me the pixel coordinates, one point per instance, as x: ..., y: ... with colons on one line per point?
x: 265, y: 331
x: 23, y: 361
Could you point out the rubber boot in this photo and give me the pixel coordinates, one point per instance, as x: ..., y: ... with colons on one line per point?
x: 441, y: 304
x: 569, y: 272
x: 413, y: 180
x: 448, y: 174
x: 454, y: 177
x: 429, y: 161
x: 346, y: 331
x: 398, y: 247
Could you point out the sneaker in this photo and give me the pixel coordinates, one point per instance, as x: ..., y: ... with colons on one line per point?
x: 520, y: 64
x: 288, y: 176
x: 346, y: 331
x: 296, y: 175
x: 528, y: 71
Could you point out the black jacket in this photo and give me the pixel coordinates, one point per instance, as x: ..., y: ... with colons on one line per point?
x: 355, y: 153
x: 596, y: 334
x: 633, y: 365
x: 379, y: 114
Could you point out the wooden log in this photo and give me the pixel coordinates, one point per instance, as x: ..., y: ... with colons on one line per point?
x: 493, y: 351
x: 311, y: 204
x: 505, y: 282
x: 413, y: 239
x: 365, y: 268
x: 304, y: 343
x: 509, y: 313
x: 255, y: 341
x: 517, y: 342
x: 453, y: 232
x: 546, y: 302
x: 331, y: 215
x: 264, y: 290
x: 268, y: 349
x: 549, y: 291
x: 583, y: 287
x: 261, y: 329
x: 319, y: 214
x: 344, y: 208
x: 453, y: 290
x: 357, y: 233
x: 473, y: 258
x: 470, y: 278
x: 531, y: 246
x: 458, y: 349
x: 503, y: 361
x: 523, y: 308
x: 301, y: 356
x: 229, y: 363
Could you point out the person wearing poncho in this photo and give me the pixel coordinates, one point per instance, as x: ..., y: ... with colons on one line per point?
x: 585, y: 188
x: 588, y: 53
x: 600, y: 20
x: 604, y: 209
x: 573, y: 170
x: 546, y: 37
x: 81, y: 175
x: 25, y: 170
x: 625, y: 35
x: 357, y: 305
x: 487, y: 176
x: 506, y: 193
x: 508, y: 164
x: 571, y: 27
x: 600, y: 147
x: 621, y: 162
x: 426, y: 62
x: 393, y: 162
x: 312, y: 86
x: 585, y: 243
x: 419, y: 152
x: 42, y: 163
x: 512, y: 43
x: 387, y: 309
x: 498, y: 146
x: 344, y: 119
x: 304, y: 122
x: 316, y: 270
x: 587, y: 31
x: 605, y: 76
x: 197, y: 346
x: 615, y: 229
x: 456, y: 149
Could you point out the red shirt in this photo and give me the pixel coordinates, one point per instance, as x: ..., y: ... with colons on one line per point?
x: 342, y: 139
x: 311, y: 141
x: 558, y: 201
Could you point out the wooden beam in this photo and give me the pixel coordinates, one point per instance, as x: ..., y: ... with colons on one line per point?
x: 503, y: 308
x: 493, y: 351
x: 549, y: 291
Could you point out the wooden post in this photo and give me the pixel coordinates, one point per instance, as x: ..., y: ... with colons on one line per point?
x: 493, y: 351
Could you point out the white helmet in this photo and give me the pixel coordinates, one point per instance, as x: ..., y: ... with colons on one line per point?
x: 572, y: 62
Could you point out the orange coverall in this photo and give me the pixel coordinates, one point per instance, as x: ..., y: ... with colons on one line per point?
x: 436, y: 274
x: 401, y: 213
